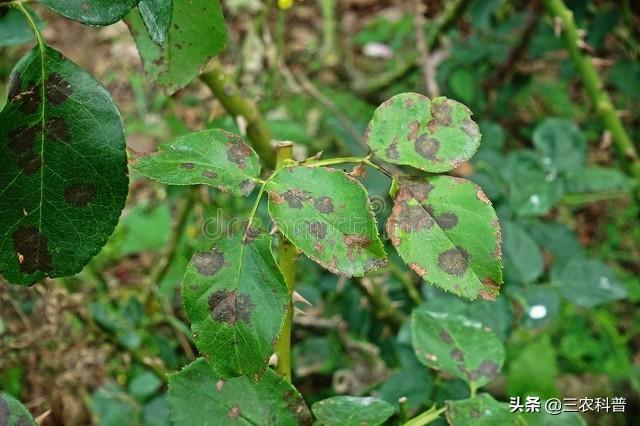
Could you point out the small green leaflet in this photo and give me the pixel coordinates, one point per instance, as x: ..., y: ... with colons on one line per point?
x: 352, y: 411
x: 236, y: 299
x: 561, y: 143
x: 434, y: 136
x: 64, y: 180
x: 197, y: 396
x: 211, y: 157
x: 13, y: 413
x: 522, y: 257
x: 14, y: 28
x: 197, y: 33
x: 156, y: 15
x: 446, y: 230
x: 481, y: 410
x: 91, y: 12
x: 327, y: 215
x: 588, y: 282
x: 456, y: 345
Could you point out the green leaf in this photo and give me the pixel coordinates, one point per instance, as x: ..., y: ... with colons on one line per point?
x: 144, y: 385
x: 327, y: 214
x: 197, y: 396
x: 236, y: 299
x: 481, y: 410
x: 588, y: 282
x: 561, y: 143
x: 111, y: 406
x: 156, y: 15
x: 64, y: 178
x: 543, y: 418
x: 446, y: 230
x: 597, y: 179
x: 211, y: 157
x: 523, y: 262
x: 352, y: 411
x: 95, y: 12
x: 435, y: 136
x: 14, y: 28
x: 414, y: 385
x: 197, y: 33
x: 533, y: 370
x: 13, y: 413
x: 457, y: 345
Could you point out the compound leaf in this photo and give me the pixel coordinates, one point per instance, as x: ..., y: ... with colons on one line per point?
x: 156, y: 15
x: 352, y: 411
x: 457, y: 345
x: 198, y: 396
x: 64, y: 178
x: 197, y: 33
x: 236, y: 299
x: 13, y: 413
x: 327, y: 214
x: 211, y: 157
x: 432, y: 135
x: 94, y: 12
x: 446, y: 230
x: 481, y: 410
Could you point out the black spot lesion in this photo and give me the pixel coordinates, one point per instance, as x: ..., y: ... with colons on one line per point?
x: 80, y: 194
x: 32, y: 249
x: 427, y: 146
x: 187, y: 166
x: 57, y: 89
x: 324, y: 204
x: 57, y: 129
x: 238, y: 152
x: 208, y: 263
x: 317, y: 230
x: 454, y: 261
x: 230, y: 307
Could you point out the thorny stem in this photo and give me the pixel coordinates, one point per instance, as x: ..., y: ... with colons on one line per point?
x: 227, y: 92
x: 593, y: 84
x: 342, y: 160
x: 380, y: 303
x: 427, y: 417
x: 287, y: 262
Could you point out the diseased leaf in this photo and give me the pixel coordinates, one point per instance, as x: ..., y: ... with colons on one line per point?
x: 197, y: 396
x: 64, y: 178
x: 156, y: 15
x: 197, y: 33
x: 456, y: 345
x: 14, y: 28
x: 588, y: 282
x: 432, y: 135
x: 352, y: 411
x: 327, y: 214
x: 523, y: 262
x: 561, y: 143
x: 446, y: 230
x: 13, y: 413
x: 211, y: 157
x: 236, y: 299
x: 91, y: 12
x: 481, y: 410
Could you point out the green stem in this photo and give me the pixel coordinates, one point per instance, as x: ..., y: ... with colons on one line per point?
x: 225, y: 89
x: 426, y: 417
x: 342, y: 160
x: 287, y: 262
x: 593, y: 85
x: 380, y: 303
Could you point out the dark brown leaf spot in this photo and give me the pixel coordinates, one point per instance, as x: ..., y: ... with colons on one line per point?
x: 30, y: 100
x: 470, y: 128
x: 30, y: 163
x: 454, y: 261
x: 57, y: 129
x: 441, y: 112
x: 392, y: 150
x: 486, y: 369
x: 414, y: 128
x: 446, y: 337
x: 229, y: 307
x: 427, y: 146
x: 234, y: 413
x: 295, y: 197
x: 238, y: 152
x: 419, y: 189
x: 4, y: 412
x: 324, y: 204
x: 210, y: 174
x: 208, y: 263
x: 297, y: 407
x: 355, y: 243
x: 80, y: 194
x: 317, y: 230
x: 251, y: 232
x: 57, y: 89
x: 413, y: 217
x: 14, y: 87
x: 23, y: 139
x: 247, y: 186
x: 32, y: 248
x: 457, y: 355
x: 187, y: 166
x: 447, y: 220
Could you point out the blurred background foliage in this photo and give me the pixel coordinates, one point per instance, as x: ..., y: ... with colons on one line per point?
x: 94, y: 348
